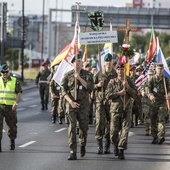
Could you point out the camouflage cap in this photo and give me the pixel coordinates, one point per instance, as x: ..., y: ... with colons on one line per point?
x: 159, y: 65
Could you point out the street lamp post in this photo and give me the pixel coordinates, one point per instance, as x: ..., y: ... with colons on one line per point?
x: 22, y: 38
x: 42, y: 43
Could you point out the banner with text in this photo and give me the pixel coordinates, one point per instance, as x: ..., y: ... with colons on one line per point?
x: 98, y: 37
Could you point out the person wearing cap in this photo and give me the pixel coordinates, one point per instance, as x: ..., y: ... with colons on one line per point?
x: 146, y: 103
x: 43, y: 84
x: 120, y: 111
x: 137, y: 116
x: 102, y: 115
x: 77, y: 104
x: 10, y: 96
x: 157, y: 95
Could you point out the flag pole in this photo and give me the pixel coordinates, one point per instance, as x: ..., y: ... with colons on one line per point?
x: 76, y: 39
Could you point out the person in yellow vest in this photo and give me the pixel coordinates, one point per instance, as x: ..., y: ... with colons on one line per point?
x: 10, y: 95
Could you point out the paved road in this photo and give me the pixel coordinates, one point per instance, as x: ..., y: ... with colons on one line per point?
x: 42, y: 145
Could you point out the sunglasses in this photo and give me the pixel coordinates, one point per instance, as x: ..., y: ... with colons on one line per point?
x: 4, y: 72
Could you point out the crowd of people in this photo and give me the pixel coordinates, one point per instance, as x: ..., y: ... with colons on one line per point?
x: 108, y: 99
x: 111, y: 101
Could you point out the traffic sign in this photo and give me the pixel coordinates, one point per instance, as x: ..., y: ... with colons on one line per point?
x: 26, y: 21
x: 98, y: 37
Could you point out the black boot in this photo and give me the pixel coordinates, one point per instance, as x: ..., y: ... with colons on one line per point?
x: 116, y: 151
x: 82, y: 151
x: 72, y: 156
x: 100, y: 146
x: 60, y: 120
x: 121, y: 154
x: 46, y: 106
x: 53, y: 118
x: 107, y: 146
x: 12, y: 145
x: 77, y: 130
x: 42, y: 108
x: 155, y: 140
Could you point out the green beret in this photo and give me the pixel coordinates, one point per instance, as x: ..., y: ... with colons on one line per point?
x: 4, y: 67
x: 159, y: 65
x: 108, y: 57
x: 168, y: 63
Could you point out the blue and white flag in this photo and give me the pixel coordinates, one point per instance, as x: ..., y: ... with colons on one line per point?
x: 161, y: 59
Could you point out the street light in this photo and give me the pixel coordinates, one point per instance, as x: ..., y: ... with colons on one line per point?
x: 42, y: 43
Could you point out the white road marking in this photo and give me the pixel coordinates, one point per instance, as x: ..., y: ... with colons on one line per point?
x: 33, y: 106
x: 25, y: 99
x: 21, y: 109
x: 4, y: 130
x: 59, y: 130
x: 26, y: 144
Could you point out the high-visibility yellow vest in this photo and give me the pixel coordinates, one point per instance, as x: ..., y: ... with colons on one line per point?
x: 7, y: 94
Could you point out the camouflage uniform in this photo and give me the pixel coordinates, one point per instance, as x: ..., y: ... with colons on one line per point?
x: 41, y: 79
x: 158, y: 108
x: 102, y: 114
x: 10, y: 115
x: 79, y: 114
x: 54, y: 90
x: 120, y: 120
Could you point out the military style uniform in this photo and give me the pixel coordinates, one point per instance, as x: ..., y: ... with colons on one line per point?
x: 158, y: 107
x: 41, y: 79
x: 102, y: 114
x: 55, y: 93
x: 77, y: 114
x: 120, y: 119
x: 10, y: 88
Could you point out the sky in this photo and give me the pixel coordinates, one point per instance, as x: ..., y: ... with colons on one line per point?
x: 36, y: 6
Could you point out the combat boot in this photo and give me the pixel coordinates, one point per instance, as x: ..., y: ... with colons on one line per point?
x: 121, y: 154
x: 100, y: 146
x: 77, y: 130
x: 53, y: 118
x: 72, y: 156
x: 161, y: 140
x: 60, y: 120
x: 107, y: 146
x: 155, y: 140
x: 12, y: 144
x: 42, y: 108
x: 46, y: 106
x: 82, y: 151
x: 116, y: 151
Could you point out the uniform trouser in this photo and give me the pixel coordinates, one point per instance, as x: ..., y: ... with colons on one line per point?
x: 72, y: 118
x: 102, y: 125
x: 158, y: 117
x: 44, y: 93
x: 61, y: 107
x: 10, y: 119
x: 54, y: 110
x: 119, y: 125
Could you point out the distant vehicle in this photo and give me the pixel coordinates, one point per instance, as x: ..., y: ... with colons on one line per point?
x: 16, y: 75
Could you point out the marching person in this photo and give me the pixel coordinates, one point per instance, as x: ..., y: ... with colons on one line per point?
x: 102, y: 115
x: 10, y: 96
x: 158, y: 88
x: 77, y: 109
x: 120, y: 122
x: 43, y: 84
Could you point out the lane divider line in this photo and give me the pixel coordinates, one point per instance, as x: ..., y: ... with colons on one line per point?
x: 26, y: 144
x: 59, y: 130
x: 33, y: 106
